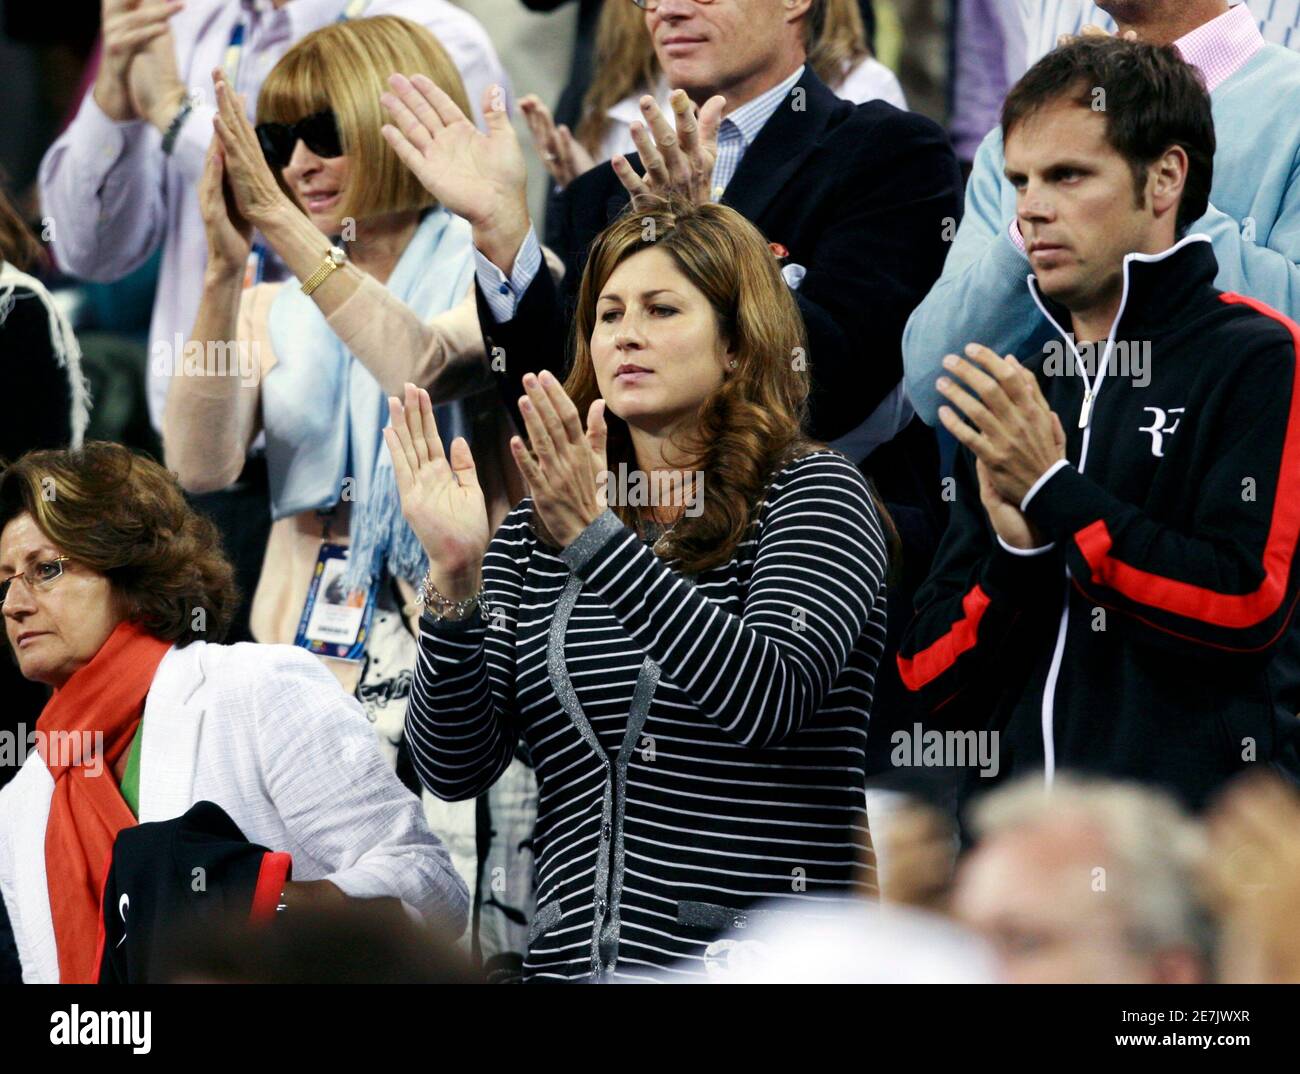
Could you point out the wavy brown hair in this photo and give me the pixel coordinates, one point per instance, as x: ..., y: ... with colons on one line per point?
x: 123, y: 515
x: 752, y: 425
x: 625, y: 62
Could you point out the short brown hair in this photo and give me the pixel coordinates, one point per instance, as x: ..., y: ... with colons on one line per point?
x: 345, y: 67
x: 1153, y: 100
x: 124, y: 516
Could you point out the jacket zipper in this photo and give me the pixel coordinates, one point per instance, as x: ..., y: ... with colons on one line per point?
x: 1091, y: 389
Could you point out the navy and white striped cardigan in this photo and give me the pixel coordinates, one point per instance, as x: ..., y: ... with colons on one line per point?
x: 741, y: 771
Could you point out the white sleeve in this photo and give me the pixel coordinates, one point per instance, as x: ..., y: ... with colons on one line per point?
x: 343, y: 802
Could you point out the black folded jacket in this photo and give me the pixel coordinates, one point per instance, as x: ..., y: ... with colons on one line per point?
x: 195, y: 869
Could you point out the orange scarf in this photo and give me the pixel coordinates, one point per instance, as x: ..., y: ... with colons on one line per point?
x: 84, y: 729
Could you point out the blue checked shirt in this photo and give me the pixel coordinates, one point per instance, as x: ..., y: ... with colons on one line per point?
x: 736, y: 133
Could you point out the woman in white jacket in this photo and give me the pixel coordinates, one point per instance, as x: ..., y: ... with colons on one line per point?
x: 109, y: 583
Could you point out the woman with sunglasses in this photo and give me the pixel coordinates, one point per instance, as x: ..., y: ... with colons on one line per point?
x: 115, y: 593
x: 383, y: 295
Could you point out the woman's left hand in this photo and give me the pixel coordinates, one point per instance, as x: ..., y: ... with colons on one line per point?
x: 565, y: 468
x: 251, y: 182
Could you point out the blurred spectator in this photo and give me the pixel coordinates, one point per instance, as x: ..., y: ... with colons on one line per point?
x: 983, y: 69
x: 1088, y: 882
x: 917, y: 851
x: 43, y: 53
x: 915, y: 42
x: 849, y: 942
x: 587, y: 55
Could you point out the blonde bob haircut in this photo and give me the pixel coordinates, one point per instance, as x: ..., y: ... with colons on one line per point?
x: 345, y: 67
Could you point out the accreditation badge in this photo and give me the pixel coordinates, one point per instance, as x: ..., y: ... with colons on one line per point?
x: 335, y: 621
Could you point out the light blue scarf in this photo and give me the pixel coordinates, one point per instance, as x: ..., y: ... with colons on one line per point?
x: 324, y: 413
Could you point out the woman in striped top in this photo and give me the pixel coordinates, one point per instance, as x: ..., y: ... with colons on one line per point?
x: 692, y: 678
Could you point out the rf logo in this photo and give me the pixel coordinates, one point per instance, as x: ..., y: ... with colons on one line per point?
x: 1159, y: 429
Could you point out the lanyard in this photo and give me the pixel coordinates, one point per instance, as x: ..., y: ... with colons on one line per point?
x: 235, y: 48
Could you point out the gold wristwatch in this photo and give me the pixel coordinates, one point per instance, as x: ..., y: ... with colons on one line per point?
x: 333, y: 260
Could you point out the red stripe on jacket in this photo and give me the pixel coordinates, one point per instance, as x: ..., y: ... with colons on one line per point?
x: 934, y: 660
x: 1197, y: 602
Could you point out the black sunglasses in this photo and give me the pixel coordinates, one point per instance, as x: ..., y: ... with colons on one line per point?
x: 318, y: 131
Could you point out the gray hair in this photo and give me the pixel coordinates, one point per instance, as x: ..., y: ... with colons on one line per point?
x: 1155, y: 851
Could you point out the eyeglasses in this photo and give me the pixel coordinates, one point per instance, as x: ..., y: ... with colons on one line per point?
x: 319, y: 131
x: 40, y: 576
x: 651, y: 5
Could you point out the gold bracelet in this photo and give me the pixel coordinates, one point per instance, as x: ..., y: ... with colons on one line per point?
x: 333, y: 260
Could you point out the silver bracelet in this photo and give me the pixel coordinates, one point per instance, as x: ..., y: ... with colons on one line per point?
x: 444, y: 608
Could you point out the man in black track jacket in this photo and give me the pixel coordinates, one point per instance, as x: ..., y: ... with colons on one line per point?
x: 1116, y: 588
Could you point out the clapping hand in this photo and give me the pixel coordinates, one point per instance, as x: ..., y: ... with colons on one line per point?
x: 676, y: 161
x: 251, y: 182
x: 565, y: 158
x: 480, y: 177
x: 128, y: 27
x: 441, y: 497
x: 1014, y: 435
x: 229, y: 234
x: 157, y: 92
x: 565, y: 468
x: 1254, y: 880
